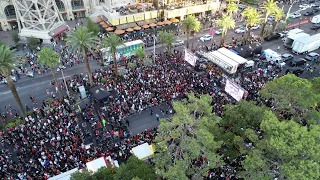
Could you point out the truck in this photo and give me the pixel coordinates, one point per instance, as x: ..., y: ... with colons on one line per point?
x: 316, y: 19
x: 292, y: 37
x: 273, y: 57
x: 305, y: 45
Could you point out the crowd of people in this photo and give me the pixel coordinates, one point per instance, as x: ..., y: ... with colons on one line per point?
x: 52, y: 140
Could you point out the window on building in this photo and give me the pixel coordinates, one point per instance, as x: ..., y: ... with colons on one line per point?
x: 60, y: 5
x: 76, y: 4
x: 10, y: 12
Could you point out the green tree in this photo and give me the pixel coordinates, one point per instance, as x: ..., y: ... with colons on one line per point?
x: 255, y: 166
x: 50, y: 58
x: 185, y: 138
x: 278, y: 14
x: 33, y: 42
x: 226, y: 23
x: 190, y: 24
x: 82, y: 40
x: 135, y: 168
x: 141, y: 53
x: 81, y: 175
x: 168, y: 40
x: 293, y: 96
x: 295, y: 148
x: 252, y: 17
x: 105, y: 173
x: 237, y: 122
x: 92, y: 27
x: 232, y: 8
x: 269, y: 7
x: 112, y: 43
x: 251, y: 2
x: 15, y: 37
x: 6, y: 64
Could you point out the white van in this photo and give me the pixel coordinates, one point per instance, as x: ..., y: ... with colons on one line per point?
x: 273, y: 57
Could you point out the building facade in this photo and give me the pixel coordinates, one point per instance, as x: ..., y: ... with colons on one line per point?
x: 73, y: 9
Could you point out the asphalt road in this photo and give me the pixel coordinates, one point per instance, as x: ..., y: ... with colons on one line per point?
x: 37, y: 86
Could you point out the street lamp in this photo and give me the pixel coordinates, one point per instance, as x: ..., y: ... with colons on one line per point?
x: 154, y: 45
x: 64, y: 80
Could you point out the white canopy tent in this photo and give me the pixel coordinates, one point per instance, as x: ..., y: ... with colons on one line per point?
x: 65, y: 175
x: 94, y: 165
x: 143, y: 151
x: 232, y: 56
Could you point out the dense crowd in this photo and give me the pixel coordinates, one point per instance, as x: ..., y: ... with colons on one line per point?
x: 52, y: 139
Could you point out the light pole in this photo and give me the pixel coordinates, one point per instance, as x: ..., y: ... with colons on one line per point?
x: 154, y: 45
x: 64, y: 80
x: 65, y: 83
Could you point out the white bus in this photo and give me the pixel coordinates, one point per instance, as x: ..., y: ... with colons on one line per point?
x: 127, y: 50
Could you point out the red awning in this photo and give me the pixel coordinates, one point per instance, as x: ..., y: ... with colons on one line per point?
x: 59, y: 30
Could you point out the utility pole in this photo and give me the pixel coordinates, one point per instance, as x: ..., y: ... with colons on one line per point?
x: 65, y: 83
x: 154, y: 45
x: 290, y: 9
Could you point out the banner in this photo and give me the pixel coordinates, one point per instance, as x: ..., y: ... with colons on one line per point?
x: 190, y: 57
x: 234, y: 90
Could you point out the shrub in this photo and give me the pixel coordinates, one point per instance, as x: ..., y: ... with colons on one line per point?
x: 147, y: 62
x: 11, y: 125
x: 19, y: 121
x: 132, y: 65
x: 103, y: 80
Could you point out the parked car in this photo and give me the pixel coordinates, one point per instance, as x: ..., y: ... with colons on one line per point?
x: 315, y: 4
x: 297, y: 62
x: 304, y: 6
x: 295, y: 15
x: 309, y: 13
x: 206, y: 37
x: 256, y: 26
x: 218, y: 32
x: 287, y: 56
x: 272, y: 37
x: 295, y: 70
x: 283, y: 33
x: 4, y: 80
x: 312, y: 56
x: 240, y: 30
x: 178, y: 43
x: 315, y: 9
x: 315, y: 26
x: 271, y: 18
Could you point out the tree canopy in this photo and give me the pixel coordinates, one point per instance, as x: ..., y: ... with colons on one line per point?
x: 185, y: 144
x: 293, y: 96
x: 92, y: 27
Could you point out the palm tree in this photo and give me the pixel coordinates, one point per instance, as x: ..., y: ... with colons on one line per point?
x: 112, y: 43
x: 167, y: 39
x: 141, y: 53
x: 232, y: 8
x: 162, y: 37
x: 170, y: 39
x: 252, y: 17
x: 190, y: 24
x: 50, y: 58
x: 226, y: 22
x: 278, y: 14
x: 269, y: 6
x: 6, y: 64
x: 82, y: 40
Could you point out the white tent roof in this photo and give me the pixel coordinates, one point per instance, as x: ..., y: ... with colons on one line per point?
x: 142, y: 151
x: 65, y: 175
x: 94, y: 165
x: 232, y: 55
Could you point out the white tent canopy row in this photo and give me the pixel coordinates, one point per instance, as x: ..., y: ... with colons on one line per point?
x: 226, y: 59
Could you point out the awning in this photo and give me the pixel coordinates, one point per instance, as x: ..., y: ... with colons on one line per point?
x: 58, y: 30
x: 119, y: 31
x: 148, y: 21
x: 137, y: 28
x: 126, y: 26
x: 160, y: 23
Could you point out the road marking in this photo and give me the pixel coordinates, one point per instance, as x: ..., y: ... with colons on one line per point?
x: 64, y: 77
x: 6, y: 92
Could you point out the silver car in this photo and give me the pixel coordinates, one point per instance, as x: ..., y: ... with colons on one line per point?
x: 287, y: 56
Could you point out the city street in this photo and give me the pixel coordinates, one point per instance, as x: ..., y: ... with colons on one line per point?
x: 37, y: 86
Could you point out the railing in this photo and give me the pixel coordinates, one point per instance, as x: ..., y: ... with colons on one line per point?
x: 77, y: 7
x: 12, y: 17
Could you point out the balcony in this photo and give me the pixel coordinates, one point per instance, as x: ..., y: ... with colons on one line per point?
x: 77, y: 7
